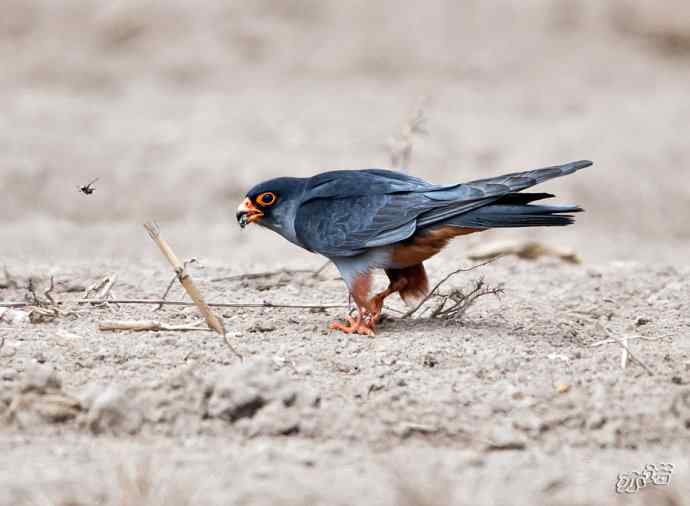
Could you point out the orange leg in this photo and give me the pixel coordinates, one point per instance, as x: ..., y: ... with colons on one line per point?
x: 362, y: 323
x: 376, y: 302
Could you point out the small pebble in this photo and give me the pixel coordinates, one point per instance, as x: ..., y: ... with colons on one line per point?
x: 562, y: 388
x: 430, y: 360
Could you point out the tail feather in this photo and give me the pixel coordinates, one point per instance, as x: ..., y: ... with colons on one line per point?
x: 468, y: 198
x: 523, y: 198
x: 517, y: 181
x: 504, y: 216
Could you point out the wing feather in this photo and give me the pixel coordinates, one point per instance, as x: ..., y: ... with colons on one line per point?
x: 343, y: 213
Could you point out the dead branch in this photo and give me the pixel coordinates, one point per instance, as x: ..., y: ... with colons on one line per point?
x: 172, y: 282
x: 265, y: 304
x: 105, y: 291
x: 43, y: 315
x: 49, y: 291
x: 31, y: 288
x: 43, y: 310
x: 93, y: 288
x: 185, y: 279
x: 461, y: 301
x: 147, y: 325
x: 101, y: 290
x: 625, y: 351
x: 434, y: 290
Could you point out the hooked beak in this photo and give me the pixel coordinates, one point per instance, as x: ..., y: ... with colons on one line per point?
x: 247, y: 213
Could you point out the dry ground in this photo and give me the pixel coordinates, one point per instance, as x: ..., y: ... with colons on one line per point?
x: 179, y: 109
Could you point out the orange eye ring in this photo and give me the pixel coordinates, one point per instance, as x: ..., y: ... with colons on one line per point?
x: 266, y: 199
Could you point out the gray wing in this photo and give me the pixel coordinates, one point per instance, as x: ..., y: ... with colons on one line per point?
x: 348, y: 226
x: 355, y: 183
x: 350, y: 211
x: 345, y: 212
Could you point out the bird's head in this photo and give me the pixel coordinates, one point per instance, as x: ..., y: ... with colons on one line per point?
x: 272, y: 204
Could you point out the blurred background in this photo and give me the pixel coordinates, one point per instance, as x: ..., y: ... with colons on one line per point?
x: 179, y: 107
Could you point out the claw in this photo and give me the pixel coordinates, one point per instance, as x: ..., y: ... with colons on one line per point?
x: 355, y: 327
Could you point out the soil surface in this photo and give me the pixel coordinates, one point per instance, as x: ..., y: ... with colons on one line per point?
x: 179, y: 109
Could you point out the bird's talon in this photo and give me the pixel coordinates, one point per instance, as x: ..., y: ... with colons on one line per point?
x: 354, y: 328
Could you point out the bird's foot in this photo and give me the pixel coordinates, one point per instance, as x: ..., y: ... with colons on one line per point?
x: 356, y: 326
x: 376, y: 307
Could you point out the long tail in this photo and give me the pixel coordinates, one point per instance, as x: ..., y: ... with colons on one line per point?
x: 514, y: 210
x: 497, y: 203
x: 518, y: 181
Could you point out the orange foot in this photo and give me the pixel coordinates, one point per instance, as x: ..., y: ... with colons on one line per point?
x: 376, y: 304
x: 356, y: 326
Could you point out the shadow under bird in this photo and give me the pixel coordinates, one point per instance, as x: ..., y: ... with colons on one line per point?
x: 380, y: 219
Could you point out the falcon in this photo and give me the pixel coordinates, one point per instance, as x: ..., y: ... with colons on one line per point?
x: 363, y: 220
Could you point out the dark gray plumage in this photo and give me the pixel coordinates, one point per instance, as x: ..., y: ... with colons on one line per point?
x: 367, y: 219
x: 345, y: 212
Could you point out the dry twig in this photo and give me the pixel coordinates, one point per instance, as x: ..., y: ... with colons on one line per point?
x: 265, y: 304
x: 625, y: 351
x: 185, y: 279
x: 32, y: 296
x: 43, y: 315
x: 147, y: 325
x: 43, y: 310
x: 101, y: 290
x: 434, y: 290
x: 48, y: 293
x: 105, y: 291
x: 172, y: 282
x: 461, y: 301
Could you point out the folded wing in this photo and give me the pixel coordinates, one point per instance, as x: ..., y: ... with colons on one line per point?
x: 344, y: 213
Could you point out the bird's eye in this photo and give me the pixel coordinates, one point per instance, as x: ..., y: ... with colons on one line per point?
x: 266, y: 199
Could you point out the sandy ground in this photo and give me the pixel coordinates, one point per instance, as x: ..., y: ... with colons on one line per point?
x: 180, y: 110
